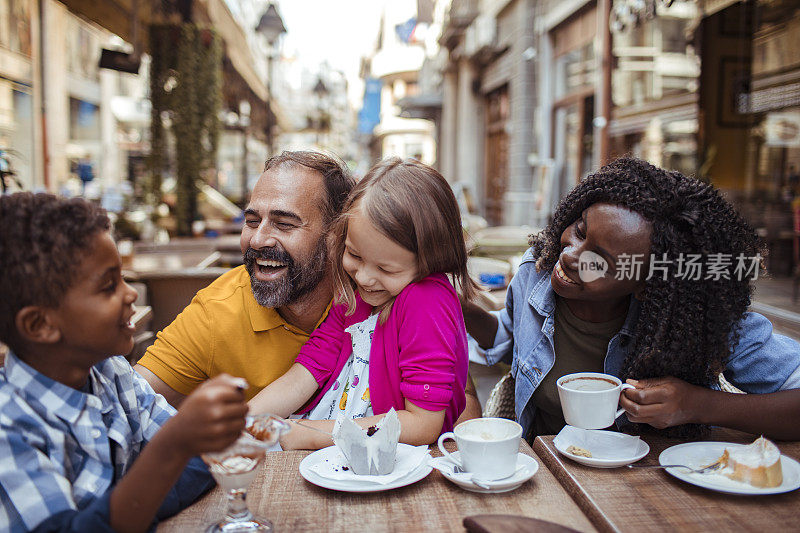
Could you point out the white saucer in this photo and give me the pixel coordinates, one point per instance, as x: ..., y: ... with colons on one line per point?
x: 526, y: 465
x: 698, y: 454
x: 357, y: 485
x: 603, y: 462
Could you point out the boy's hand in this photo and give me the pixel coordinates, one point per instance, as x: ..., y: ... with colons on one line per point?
x: 211, y: 418
x: 662, y: 402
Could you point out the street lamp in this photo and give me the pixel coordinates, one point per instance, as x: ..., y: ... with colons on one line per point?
x: 322, y: 121
x: 244, y: 122
x: 270, y: 27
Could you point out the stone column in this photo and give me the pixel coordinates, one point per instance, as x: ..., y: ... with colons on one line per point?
x: 55, y: 91
x: 522, y: 98
x: 470, y: 133
x: 449, y: 133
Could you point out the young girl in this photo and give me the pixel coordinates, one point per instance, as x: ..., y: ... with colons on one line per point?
x: 395, y: 336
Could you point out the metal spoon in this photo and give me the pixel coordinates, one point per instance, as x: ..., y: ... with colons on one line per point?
x: 482, y: 483
x: 705, y: 470
x: 297, y: 421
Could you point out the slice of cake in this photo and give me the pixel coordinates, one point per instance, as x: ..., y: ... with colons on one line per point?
x: 758, y: 464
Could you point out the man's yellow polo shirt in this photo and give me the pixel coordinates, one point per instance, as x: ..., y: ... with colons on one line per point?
x: 225, y: 330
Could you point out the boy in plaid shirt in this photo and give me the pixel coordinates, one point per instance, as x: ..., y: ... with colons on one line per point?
x: 85, y: 443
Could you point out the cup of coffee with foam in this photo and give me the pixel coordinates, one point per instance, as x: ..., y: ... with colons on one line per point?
x: 487, y: 447
x: 589, y: 400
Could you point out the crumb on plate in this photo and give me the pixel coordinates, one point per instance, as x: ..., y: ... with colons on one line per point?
x: 578, y: 451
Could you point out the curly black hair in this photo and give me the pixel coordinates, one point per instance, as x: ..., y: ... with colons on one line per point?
x: 685, y: 328
x: 42, y: 239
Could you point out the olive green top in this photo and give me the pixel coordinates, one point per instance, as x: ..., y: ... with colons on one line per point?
x: 579, y: 346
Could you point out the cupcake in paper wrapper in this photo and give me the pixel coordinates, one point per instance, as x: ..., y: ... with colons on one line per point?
x: 369, y: 452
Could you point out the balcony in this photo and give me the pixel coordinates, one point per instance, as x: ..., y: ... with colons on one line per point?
x: 461, y: 15
x: 396, y: 61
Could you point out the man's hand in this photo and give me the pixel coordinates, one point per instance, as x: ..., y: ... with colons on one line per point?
x: 211, y: 418
x: 662, y: 402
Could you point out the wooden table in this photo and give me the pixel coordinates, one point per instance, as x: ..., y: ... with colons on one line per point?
x: 143, y: 263
x: 280, y: 494
x: 622, y: 499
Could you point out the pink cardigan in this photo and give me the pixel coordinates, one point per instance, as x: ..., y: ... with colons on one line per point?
x: 419, y: 354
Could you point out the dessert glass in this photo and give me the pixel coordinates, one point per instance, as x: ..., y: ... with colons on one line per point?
x: 235, y: 467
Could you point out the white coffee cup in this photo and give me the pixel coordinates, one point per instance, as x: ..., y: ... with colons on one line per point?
x: 487, y: 447
x: 589, y: 400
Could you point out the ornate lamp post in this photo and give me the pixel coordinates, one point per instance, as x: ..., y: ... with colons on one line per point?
x: 270, y: 27
x: 244, y: 122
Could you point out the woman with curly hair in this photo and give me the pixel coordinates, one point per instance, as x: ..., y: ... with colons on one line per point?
x: 668, y: 314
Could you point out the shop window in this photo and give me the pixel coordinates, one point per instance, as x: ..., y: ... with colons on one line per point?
x: 653, y: 60
x: 497, y: 115
x: 15, y: 26
x: 84, y: 120
x: 83, y: 50
x: 574, y: 70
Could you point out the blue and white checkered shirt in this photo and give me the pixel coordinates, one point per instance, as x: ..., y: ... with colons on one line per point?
x: 62, y: 450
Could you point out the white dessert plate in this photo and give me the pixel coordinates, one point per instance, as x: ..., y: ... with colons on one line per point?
x: 358, y: 485
x: 526, y: 468
x: 700, y: 454
x: 642, y: 449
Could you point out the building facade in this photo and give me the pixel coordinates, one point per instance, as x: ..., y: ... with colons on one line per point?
x: 538, y: 93
x: 488, y: 104
x: 63, y: 117
x: 403, y: 43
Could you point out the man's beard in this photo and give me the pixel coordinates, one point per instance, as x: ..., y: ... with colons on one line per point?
x: 299, y: 279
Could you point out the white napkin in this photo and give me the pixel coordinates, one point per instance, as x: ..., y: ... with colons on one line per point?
x: 408, y: 458
x: 446, y: 466
x: 601, y: 444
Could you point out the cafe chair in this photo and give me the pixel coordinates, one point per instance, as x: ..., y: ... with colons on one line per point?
x: 502, y: 242
x: 726, y: 386
x: 169, y: 291
x: 500, y: 403
x: 795, y: 251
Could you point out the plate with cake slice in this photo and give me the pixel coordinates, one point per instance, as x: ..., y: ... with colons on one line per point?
x: 750, y: 469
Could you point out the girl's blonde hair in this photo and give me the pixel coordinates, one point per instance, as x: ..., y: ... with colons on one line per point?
x: 413, y: 205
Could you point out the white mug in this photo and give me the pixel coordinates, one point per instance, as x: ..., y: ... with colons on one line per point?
x: 589, y: 400
x: 487, y: 447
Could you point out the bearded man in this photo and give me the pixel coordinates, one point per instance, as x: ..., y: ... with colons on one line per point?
x: 252, y: 321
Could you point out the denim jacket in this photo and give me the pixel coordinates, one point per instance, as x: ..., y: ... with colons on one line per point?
x: 761, y: 362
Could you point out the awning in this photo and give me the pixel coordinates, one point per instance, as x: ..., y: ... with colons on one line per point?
x: 709, y: 7
x: 130, y: 110
x: 115, y: 16
x: 221, y: 19
x: 426, y: 106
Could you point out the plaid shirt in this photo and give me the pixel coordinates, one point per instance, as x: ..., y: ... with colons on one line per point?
x: 62, y: 450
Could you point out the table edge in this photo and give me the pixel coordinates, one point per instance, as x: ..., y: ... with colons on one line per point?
x: 550, y: 458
